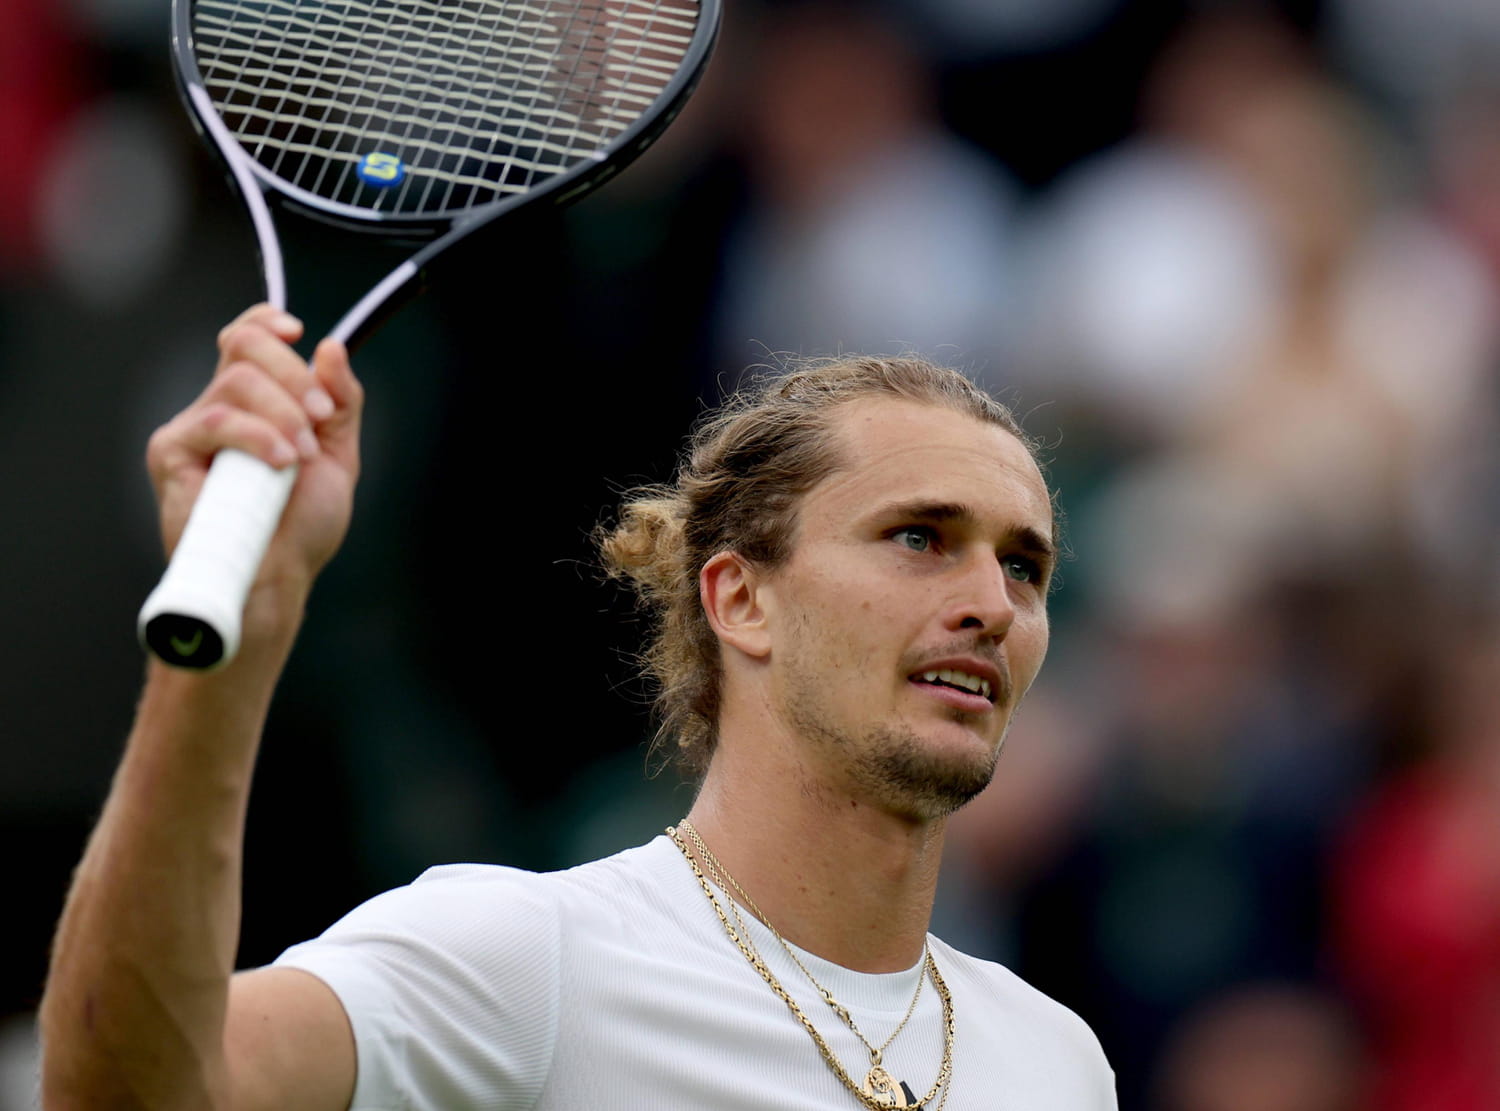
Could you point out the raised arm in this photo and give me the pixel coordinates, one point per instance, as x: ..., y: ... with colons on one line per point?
x: 139, y: 1010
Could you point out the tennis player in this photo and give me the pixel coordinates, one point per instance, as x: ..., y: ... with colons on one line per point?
x: 850, y: 575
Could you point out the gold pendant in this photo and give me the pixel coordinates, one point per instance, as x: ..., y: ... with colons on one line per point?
x: 885, y: 1089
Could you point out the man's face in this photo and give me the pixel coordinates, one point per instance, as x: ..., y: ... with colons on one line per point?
x: 911, y: 616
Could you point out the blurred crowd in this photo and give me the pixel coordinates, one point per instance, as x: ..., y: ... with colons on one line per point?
x: 1237, y: 265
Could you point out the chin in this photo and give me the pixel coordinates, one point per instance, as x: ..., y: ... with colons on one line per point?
x: 925, y: 780
x: 922, y: 775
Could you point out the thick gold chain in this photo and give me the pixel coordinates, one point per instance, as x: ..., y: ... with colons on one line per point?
x: 747, y: 949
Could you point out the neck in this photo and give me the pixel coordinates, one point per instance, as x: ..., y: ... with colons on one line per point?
x: 832, y: 874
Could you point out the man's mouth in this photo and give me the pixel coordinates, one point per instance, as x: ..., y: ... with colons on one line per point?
x: 958, y: 680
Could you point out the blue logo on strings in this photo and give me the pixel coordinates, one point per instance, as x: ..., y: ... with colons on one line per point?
x: 381, y: 169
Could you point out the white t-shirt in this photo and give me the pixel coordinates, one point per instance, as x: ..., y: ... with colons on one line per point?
x: 613, y: 985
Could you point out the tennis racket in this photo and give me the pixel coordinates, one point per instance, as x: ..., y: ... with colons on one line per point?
x: 419, y: 120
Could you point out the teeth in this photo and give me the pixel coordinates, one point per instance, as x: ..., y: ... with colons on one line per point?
x: 962, y: 679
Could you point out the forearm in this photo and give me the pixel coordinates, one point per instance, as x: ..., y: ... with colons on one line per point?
x: 135, y: 1009
x: 135, y: 1004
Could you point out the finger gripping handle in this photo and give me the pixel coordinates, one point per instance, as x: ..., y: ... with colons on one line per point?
x: 192, y: 619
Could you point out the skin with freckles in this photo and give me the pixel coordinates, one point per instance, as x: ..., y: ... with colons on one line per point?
x: 930, y: 548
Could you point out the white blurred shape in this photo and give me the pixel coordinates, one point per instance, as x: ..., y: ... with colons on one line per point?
x: 1150, y: 270
x: 912, y: 253
x: 113, y: 202
x: 1418, y: 314
x: 20, y: 1064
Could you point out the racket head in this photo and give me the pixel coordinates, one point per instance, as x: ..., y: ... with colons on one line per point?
x: 412, y: 117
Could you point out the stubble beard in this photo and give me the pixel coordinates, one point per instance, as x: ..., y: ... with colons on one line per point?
x: 891, y: 766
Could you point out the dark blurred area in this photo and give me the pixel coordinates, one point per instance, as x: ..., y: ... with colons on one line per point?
x: 1237, y: 264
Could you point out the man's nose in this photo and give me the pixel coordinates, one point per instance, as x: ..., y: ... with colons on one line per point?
x: 982, y: 602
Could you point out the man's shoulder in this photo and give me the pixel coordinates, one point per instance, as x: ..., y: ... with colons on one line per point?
x: 498, y: 893
x: 461, y: 906
x: 635, y: 868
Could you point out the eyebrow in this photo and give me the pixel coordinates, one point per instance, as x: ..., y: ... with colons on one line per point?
x: 1029, y: 540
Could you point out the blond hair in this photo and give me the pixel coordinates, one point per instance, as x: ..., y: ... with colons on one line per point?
x: 746, y: 468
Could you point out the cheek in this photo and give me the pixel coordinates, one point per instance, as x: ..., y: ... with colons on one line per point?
x: 846, y: 641
x: 1030, y: 640
x: 848, y: 624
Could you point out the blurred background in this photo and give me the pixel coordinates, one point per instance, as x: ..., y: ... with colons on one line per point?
x: 1238, y: 265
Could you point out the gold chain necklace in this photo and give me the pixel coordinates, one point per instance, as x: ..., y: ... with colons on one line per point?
x: 725, y: 880
x: 880, y: 1090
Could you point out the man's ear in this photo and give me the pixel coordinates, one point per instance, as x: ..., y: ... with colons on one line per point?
x: 729, y: 587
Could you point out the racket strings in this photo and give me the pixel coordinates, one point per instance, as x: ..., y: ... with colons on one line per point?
x: 393, y: 76
x: 510, y: 46
x: 329, y: 104
x: 571, y: 54
x: 473, y: 99
x: 533, y: 63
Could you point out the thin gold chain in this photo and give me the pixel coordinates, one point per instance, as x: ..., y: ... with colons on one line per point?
x: 750, y: 953
x: 725, y: 880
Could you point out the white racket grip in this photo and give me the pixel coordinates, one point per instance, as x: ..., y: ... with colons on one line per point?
x: 193, y: 617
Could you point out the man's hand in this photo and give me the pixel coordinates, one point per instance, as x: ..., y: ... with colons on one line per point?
x: 263, y: 401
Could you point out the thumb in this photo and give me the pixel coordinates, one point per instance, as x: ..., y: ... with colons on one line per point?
x: 338, y: 432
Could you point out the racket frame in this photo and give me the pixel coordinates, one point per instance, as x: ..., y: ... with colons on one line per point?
x: 192, y: 619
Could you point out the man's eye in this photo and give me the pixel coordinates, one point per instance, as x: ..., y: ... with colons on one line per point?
x: 915, y: 537
x: 1021, y: 569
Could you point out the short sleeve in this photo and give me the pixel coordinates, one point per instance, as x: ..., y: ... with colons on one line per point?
x: 451, y: 985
